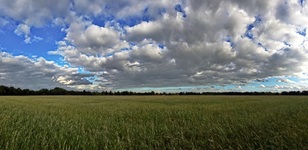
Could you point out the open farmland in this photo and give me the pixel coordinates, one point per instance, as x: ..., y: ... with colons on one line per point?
x: 154, y: 122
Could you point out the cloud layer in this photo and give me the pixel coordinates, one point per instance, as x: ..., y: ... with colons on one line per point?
x: 168, y: 43
x: 38, y: 73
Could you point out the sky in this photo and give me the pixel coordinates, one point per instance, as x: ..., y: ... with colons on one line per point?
x: 162, y: 45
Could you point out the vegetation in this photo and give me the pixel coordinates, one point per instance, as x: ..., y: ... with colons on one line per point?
x: 4, y: 90
x: 153, y: 122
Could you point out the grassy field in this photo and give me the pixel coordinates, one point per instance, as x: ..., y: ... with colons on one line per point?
x: 154, y: 122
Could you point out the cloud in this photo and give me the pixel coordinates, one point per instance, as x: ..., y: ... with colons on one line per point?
x: 173, y: 50
x: 23, y: 30
x: 3, y: 22
x: 23, y: 72
x: 94, y: 39
x: 285, y: 80
x: 33, y: 12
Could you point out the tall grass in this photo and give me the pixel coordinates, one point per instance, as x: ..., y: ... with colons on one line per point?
x: 154, y: 122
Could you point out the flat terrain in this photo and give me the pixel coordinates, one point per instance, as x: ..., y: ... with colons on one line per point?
x: 154, y: 122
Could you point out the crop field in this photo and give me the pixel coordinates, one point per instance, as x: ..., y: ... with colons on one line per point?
x: 154, y: 122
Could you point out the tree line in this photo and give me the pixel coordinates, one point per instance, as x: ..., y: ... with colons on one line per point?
x: 4, y: 90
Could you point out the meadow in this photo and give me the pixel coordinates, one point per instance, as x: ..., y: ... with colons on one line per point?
x: 153, y: 122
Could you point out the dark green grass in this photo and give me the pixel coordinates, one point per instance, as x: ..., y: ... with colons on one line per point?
x: 154, y: 122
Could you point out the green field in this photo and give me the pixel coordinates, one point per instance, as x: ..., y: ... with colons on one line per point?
x: 154, y: 122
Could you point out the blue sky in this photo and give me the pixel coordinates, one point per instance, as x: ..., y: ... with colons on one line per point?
x: 166, y: 46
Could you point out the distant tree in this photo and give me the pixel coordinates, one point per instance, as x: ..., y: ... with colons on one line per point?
x: 2, y: 90
x: 58, y: 91
x: 43, y: 92
x: 18, y: 91
x: 304, y: 93
x: 27, y: 92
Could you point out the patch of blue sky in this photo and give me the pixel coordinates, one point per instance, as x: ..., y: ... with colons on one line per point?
x: 81, y: 70
x: 161, y: 46
x: 276, y: 81
x: 42, y: 41
x: 103, y: 19
x: 254, y: 86
x: 295, y: 79
x: 258, y: 19
x: 91, y: 79
x: 250, y: 88
x: 178, y: 8
x: 302, y: 32
x: 12, y: 43
x: 59, y: 60
x: 302, y: 2
x: 227, y: 87
x: 50, y: 34
x: 248, y: 33
x: 228, y: 39
x: 249, y: 28
x: 49, y: 37
x: 131, y: 21
x: 141, y: 89
x: 268, y: 83
x: 149, y: 89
